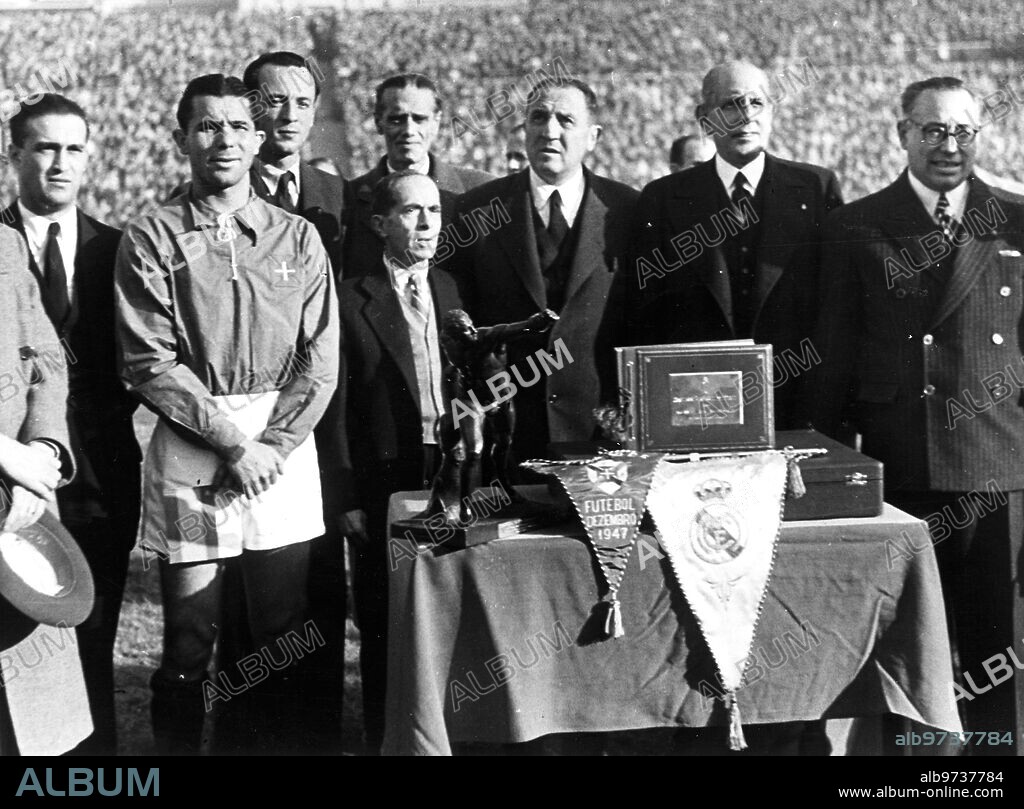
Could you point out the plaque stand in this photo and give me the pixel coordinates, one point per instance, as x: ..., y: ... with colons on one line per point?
x: 494, y: 515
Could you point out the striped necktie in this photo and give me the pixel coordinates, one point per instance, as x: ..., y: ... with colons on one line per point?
x: 414, y: 296
x: 943, y: 218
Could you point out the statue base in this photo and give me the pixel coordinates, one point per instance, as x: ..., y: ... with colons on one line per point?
x: 522, y: 517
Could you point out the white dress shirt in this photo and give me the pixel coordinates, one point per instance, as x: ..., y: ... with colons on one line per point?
x: 930, y: 199
x: 571, y: 191
x: 423, y: 167
x: 271, y: 176
x: 752, y: 172
x: 36, y: 230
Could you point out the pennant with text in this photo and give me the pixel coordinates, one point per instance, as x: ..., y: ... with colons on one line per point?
x: 609, y: 494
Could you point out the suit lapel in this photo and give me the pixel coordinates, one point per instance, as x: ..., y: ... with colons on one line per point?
x: 907, y: 216
x: 83, y: 268
x: 85, y: 232
x: 519, y: 239
x: 260, y: 187
x: 446, y: 177
x: 383, y: 313
x: 693, y: 204
x: 12, y: 216
x: 444, y: 293
x: 589, y: 240
x: 309, y: 188
x: 970, y: 259
x: 364, y: 193
x: 775, y: 243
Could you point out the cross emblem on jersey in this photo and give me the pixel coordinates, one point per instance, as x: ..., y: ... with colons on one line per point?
x: 285, y: 271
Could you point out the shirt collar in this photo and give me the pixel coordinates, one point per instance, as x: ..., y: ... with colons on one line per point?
x: 249, y: 216
x: 930, y: 199
x: 400, y: 275
x: 752, y: 172
x: 423, y: 167
x: 571, y: 191
x: 36, y: 226
x: 271, y: 175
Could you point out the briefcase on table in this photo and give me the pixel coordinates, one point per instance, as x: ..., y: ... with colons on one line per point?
x: 842, y: 483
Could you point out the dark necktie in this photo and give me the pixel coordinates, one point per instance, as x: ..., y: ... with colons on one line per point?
x: 55, y: 279
x: 414, y: 296
x: 943, y: 218
x: 742, y: 261
x: 558, y: 228
x: 283, y: 199
x: 740, y: 192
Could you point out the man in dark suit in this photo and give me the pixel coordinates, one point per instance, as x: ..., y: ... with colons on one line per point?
x: 730, y: 248
x: 922, y: 354
x: 72, y: 256
x: 549, y: 238
x: 389, y: 397
x: 286, y: 94
x: 407, y: 112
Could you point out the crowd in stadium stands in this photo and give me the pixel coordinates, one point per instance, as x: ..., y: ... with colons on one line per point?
x: 841, y: 67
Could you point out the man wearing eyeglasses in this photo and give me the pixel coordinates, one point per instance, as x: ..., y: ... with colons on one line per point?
x: 922, y: 356
x: 729, y: 248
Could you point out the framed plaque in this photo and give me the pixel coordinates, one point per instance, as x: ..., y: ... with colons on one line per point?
x: 698, y: 397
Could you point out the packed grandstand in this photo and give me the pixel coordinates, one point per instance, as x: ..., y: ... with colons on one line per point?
x: 837, y: 72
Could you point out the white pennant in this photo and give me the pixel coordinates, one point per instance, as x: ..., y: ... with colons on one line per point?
x: 718, y: 522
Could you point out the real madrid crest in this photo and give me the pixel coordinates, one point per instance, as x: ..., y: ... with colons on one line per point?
x: 717, y: 532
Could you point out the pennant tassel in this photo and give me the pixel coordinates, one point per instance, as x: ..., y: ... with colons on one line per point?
x: 794, y: 479
x: 613, y: 627
x: 736, y: 739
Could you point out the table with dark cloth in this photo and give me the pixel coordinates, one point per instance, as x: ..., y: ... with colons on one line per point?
x: 488, y: 644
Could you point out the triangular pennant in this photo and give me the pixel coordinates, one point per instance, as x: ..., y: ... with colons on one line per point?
x: 609, y: 494
x: 718, y: 522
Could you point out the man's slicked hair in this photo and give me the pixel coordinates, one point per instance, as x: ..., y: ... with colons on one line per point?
x: 677, y: 150
x: 251, y: 77
x: 384, y: 199
x: 48, y: 104
x: 400, y: 81
x: 213, y: 84
x: 557, y: 81
x: 914, y: 91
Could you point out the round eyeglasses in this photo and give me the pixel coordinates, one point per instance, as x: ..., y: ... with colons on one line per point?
x: 933, y: 133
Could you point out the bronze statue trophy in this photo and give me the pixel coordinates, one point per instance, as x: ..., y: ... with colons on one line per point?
x: 478, y: 423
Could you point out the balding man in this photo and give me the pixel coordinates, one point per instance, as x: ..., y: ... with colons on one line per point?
x: 381, y: 424
x: 730, y: 248
x: 564, y: 231
x: 408, y: 113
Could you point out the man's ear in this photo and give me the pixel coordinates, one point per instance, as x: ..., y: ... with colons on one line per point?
x: 902, y: 127
x: 179, y: 140
x: 377, y: 225
x: 595, y: 135
x: 379, y: 124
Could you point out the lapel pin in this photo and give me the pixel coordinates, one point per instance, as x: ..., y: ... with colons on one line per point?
x: 803, y: 207
x: 1010, y: 253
